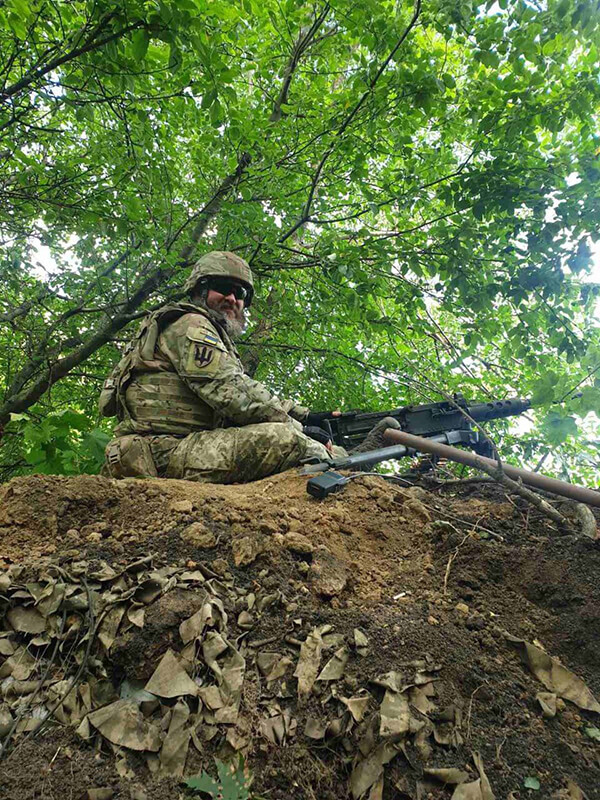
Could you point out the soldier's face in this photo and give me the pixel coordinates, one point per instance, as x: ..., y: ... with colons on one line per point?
x: 231, y: 310
x: 226, y: 304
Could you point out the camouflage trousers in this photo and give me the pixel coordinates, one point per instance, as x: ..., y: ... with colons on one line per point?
x: 224, y: 455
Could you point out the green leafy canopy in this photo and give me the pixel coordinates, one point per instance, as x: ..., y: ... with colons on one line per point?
x: 415, y: 185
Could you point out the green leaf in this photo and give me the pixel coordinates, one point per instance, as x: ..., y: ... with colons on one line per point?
x: 233, y: 783
x: 544, y: 389
x: 204, y: 783
x: 489, y: 58
x: 593, y: 733
x: 531, y: 783
x: 559, y: 428
x: 140, y: 41
x: 208, y: 98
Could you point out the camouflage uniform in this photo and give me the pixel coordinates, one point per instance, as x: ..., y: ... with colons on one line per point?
x: 187, y: 410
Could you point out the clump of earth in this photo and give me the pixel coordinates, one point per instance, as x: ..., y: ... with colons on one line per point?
x: 386, y: 642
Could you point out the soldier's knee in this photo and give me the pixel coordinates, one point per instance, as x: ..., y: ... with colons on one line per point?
x: 276, y: 433
x: 129, y: 457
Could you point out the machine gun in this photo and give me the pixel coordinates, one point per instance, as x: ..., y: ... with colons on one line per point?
x: 351, y: 427
x: 446, y: 422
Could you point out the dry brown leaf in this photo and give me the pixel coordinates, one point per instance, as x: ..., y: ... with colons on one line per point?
x: 315, y: 728
x: 236, y: 740
x: 175, y: 746
x: 395, y: 714
x: 6, y: 720
x: 391, y: 680
x: 232, y: 672
x: 279, y: 728
x: 51, y: 600
x: 333, y: 640
x: 368, y: 771
x: 193, y: 576
x: 135, y: 615
x: 555, y: 677
x: 273, y: 665
x: 100, y: 793
x: 123, y: 724
x: 574, y: 792
x: 69, y: 711
x: 420, y: 699
x: 214, y: 614
x: 444, y: 733
x: 450, y: 775
x: 26, y: 620
x: 376, y: 792
x: 124, y: 770
x: 105, y: 573
x: 361, y: 643
x: 193, y: 628
x: 109, y: 627
x: 211, y: 697
x: 20, y: 665
x: 547, y: 701
x: 486, y: 789
x: 357, y: 706
x: 150, y: 590
x: 170, y: 679
x: 308, y: 664
x: 421, y: 742
x: 245, y: 620
x: 7, y: 648
x: 403, y: 786
x: 469, y: 791
x: 334, y: 668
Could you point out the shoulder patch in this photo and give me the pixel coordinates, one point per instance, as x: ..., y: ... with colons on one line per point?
x: 203, y: 353
x: 205, y: 336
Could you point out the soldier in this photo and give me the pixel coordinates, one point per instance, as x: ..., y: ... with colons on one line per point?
x: 185, y: 407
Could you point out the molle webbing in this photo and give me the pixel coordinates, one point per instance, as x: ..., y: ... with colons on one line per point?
x: 161, y: 401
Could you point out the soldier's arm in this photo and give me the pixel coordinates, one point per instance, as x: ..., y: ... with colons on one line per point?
x: 294, y: 410
x: 201, y: 359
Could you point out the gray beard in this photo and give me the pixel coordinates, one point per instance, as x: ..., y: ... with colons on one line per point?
x: 234, y: 328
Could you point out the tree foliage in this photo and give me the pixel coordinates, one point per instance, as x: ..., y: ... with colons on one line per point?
x: 416, y: 187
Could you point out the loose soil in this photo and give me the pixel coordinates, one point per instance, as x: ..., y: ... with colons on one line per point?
x: 431, y: 578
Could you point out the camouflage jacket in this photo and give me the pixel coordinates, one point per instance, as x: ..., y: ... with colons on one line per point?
x: 182, y: 373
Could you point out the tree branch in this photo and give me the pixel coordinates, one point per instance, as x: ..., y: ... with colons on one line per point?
x: 90, y: 44
x: 22, y: 399
x: 346, y: 122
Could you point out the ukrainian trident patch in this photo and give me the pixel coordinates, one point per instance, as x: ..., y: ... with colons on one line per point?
x: 204, y: 355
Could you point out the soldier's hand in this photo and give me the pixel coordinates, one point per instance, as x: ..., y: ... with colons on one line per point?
x: 316, y: 433
x: 316, y: 418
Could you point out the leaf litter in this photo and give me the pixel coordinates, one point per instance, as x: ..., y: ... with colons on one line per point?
x: 180, y: 659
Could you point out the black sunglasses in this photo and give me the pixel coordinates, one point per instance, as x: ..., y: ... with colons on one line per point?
x: 226, y: 287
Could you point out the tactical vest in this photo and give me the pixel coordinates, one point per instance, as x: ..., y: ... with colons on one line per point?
x: 145, y: 392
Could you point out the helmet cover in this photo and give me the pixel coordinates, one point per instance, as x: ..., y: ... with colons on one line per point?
x: 221, y: 263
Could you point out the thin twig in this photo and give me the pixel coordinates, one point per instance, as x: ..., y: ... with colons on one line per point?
x: 445, y: 513
x: 468, y: 736
x: 452, y: 557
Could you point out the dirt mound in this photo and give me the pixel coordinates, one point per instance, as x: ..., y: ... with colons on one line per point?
x: 382, y: 643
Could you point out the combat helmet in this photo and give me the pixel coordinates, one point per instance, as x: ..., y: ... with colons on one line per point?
x: 221, y: 263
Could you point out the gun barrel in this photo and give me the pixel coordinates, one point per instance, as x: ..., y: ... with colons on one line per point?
x: 498, y: 409
x: 351, y: 428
